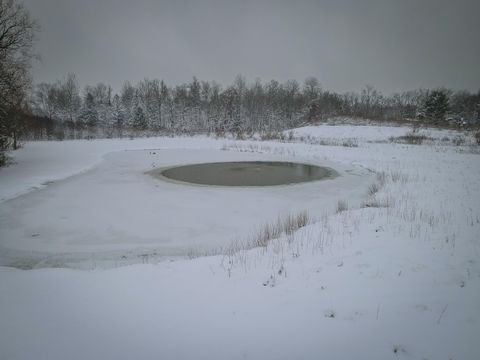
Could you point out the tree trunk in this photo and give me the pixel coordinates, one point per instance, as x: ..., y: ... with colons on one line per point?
x: 14, y: 139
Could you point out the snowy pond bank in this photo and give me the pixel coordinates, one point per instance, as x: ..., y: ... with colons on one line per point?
x: 116, y: 214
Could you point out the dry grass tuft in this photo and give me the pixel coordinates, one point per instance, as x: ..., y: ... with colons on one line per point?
x: 378, y: 203
x: 397, y: 176
x: 286, y: 225
x: 373, y: 189
x: 411, y: 137
x: 342, y: 206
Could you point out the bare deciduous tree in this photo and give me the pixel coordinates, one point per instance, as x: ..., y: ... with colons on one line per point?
x: 17, y: 35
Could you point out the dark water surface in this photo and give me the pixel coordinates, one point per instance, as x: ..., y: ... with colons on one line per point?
x: 246, y: 173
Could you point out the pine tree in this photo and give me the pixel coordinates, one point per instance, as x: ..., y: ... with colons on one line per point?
x: 118, y: 116
x: 89, y: 114
x: 139, y: 119
x: 436, y: 105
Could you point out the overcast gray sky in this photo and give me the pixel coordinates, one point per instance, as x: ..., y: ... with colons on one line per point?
x: 394, y: 45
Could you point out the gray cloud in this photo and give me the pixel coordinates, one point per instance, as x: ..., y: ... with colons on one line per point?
x: 393, y: 45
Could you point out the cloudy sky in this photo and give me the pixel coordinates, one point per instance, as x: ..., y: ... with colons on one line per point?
x: 394, y: 45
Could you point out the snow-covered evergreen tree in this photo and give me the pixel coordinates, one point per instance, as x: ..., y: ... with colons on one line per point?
x: 139, y: 119
x: 436, y: 105
x: 118, y: 116
x: 89, y: 115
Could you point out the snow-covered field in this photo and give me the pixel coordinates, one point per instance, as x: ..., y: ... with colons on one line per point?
x: 395, y: 276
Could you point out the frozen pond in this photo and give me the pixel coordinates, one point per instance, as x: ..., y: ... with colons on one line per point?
x: 246, y: 173
x: 116, y: 213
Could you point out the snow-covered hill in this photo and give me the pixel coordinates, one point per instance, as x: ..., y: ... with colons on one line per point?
x: 397, y: 275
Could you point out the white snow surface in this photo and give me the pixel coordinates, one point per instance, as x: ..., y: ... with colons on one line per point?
x: 371, y: 133
x: 397, y: 281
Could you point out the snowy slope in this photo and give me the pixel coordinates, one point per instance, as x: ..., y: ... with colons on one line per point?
x: 399, y: 281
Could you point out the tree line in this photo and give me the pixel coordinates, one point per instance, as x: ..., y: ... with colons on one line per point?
x: 240, y: 108
x: 151, y: 105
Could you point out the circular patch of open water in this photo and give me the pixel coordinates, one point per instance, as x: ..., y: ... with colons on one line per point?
x: 246, y: 173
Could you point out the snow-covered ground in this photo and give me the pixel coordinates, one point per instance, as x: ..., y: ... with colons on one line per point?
x: 375, y: 133
x: 395, y: 276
